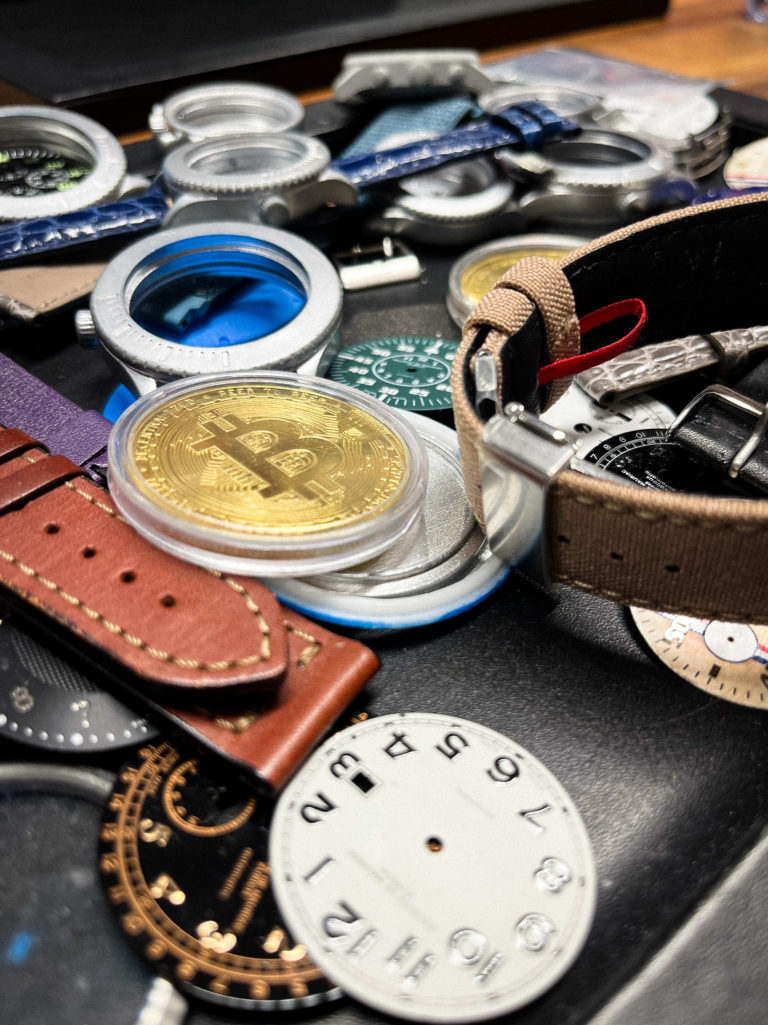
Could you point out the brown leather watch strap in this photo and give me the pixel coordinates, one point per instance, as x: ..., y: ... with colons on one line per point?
x: 69, y: 553
x: 272, y: 738
x: 13, y: 442
x: 662, y: 550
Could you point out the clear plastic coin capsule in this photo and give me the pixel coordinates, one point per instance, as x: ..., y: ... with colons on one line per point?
x: 267, y: 473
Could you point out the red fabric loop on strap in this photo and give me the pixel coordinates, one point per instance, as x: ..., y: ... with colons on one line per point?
x: 585, y: 360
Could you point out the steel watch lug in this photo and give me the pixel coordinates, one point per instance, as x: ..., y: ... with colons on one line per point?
x: 195, y: 209
x: 159, y: 127
x: 520, y: 456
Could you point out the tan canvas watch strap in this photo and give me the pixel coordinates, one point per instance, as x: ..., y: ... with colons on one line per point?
x: 677, y: 552
x: 531, y: 285
x: 29, y: 291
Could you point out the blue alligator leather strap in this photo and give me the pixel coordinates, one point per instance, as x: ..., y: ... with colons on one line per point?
x: 525, y: 126
x: 47, y: 234
x: 30, y: 405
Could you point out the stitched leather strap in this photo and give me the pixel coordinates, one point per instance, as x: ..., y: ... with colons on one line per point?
x: 32, y: 290
x: 325, y: 673
x: 681, y: 553
x: 33, y: 479
x: 13, y: 442
x: 69, y: 553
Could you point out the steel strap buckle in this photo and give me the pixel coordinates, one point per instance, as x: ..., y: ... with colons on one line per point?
x: 386, y: 262
x: 519, y: 457
x: 729, y: 397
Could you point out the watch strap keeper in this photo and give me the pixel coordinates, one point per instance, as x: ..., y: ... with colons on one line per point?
x: 533, y: 288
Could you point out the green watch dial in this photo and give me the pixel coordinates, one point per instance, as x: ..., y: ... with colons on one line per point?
x: 412, y: 374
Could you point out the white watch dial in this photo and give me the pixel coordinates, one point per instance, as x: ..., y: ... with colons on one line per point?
x: 586, y: 421
x: 433, y: 868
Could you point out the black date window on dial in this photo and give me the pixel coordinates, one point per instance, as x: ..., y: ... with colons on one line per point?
x: 363, y: 781
x: 349, y: 766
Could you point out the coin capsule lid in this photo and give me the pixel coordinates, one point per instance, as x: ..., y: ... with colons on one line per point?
x: 476, y: 272
x: 266, y: 473
x: 439, y: 568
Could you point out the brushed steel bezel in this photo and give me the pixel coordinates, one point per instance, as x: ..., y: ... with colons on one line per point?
x: 144, y: 359
x: 75, y: 135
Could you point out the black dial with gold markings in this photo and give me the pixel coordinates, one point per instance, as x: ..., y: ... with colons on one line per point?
x: 183, y: 858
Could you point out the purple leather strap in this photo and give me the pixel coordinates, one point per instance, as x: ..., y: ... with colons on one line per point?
x: 30, y: 405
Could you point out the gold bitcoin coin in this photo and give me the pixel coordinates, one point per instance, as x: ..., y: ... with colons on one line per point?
x: 270, y: 459
x: 481, y: 276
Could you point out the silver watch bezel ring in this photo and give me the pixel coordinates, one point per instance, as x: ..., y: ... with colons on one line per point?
x: 218, y: 109
x: 75, y: 135
x: 311, y: 335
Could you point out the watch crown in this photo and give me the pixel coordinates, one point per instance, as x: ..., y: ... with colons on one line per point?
x: 85, y: 329
x: 274, y: 210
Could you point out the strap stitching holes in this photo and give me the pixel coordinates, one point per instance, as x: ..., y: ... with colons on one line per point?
x: 88, y: 552
x: 52, y: 528
x: 127, y: 576
x: 168, y: 601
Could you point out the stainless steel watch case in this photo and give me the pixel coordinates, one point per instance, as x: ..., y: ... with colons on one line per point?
x: 571, y: 103
x: 697, y: 133
x: 598, y: 177
x: 142, y: 360
x: 272, y: 178
x: 224, y: 108
x: 75, y: 136
x: 459, y: 203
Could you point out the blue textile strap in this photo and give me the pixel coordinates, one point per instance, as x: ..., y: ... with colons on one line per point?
x: 430, y: 117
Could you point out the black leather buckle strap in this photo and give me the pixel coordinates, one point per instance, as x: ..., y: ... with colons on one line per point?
x: 726, y: 428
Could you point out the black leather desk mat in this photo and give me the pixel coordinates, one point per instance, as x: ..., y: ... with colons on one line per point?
x: 669, y: 781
